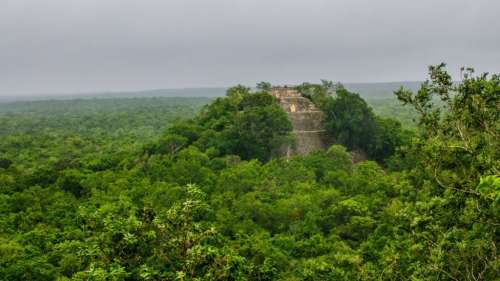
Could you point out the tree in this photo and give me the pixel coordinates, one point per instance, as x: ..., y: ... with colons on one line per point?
x: 388, y: 135
x: 457, y: 153
x: 349, y: 119
x: 318, y: 93
x: 71, y: 180
x: 459, y: 140
x: 244, y: 123
x: 264, y: 86
x: 259, y: 132
x: 154, y: 244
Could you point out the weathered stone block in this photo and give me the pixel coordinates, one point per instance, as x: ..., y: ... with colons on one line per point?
x: 306, y: 120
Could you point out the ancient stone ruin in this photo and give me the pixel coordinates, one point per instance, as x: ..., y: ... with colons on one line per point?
x: 306, y: 120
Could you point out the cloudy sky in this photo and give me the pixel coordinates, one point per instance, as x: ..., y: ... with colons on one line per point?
x: 65, y: 46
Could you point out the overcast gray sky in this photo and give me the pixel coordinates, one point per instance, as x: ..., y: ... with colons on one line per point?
x: 57, y: 46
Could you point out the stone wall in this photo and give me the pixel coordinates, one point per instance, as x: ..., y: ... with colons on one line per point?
x: 306, y: 120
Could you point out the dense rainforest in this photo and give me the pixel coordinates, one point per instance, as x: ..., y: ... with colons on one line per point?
x: 196, y: 189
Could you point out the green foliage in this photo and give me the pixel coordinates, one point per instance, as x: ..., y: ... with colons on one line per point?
x: 489, y: 187
x: 392, y: 108
x: 318, y: 93
x: 386, y: 138
x: 351, y: 121
x: 250, y: 125
x: 207, y: 198
x: 457, y: 167
x: 264, y: 86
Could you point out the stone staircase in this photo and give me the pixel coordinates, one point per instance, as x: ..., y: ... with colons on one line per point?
x: 306, y: 120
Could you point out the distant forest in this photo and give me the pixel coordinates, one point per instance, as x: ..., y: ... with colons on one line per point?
x: 366, y: 90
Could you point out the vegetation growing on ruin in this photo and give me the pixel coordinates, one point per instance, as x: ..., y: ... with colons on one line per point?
x: 351, y: 121
x: 157, y: 189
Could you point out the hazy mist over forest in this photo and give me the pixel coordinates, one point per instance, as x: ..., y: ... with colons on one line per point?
x: 59, y: 46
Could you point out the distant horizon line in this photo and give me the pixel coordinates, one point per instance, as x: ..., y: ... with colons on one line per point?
x: 123, y: 91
